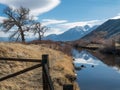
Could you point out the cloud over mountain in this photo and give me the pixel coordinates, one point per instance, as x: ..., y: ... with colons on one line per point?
x: 53, y: 21
x: 60, y: 26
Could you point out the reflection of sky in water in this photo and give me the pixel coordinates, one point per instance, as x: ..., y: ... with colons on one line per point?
x: 99, y: 77
x: 85, y: 58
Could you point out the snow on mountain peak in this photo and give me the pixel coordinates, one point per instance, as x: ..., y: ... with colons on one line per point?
x: 77, y: 28
x: 86, y: 27
x: 81, y: 28
x: 71, y: 34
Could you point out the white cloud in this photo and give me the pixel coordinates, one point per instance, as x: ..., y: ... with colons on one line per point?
x: 82, y: 23
x: 2, y: 34
x: 116, y: 17
x: 54, y: 31
x: 52, y: 21
x: 60, y: 26
x: 36, y: 6
x: 1, y: 19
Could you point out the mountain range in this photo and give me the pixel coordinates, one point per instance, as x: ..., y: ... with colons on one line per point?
x: 72, y: 34
x: 108, y: 29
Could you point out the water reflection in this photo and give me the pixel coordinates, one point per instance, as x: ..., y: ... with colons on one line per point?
x: 111, y: 60
x: 94, y: 74
x: 84, y: 57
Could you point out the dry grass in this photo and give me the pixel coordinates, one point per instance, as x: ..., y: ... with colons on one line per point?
x: 62, y: 69
x: 65, y: 47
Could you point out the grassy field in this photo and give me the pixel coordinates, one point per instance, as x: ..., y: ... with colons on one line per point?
x: 62, y: 70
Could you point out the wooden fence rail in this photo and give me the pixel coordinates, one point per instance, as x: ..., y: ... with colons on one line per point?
x: 44, y: 63
x: 20, y: 72
x: 20, y: 59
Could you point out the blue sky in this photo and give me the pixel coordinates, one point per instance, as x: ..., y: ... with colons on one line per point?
x: 60, y: 15
x: 84, y: 10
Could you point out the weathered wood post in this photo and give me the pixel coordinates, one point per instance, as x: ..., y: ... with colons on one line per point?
x: 45, y: 59
x: 47, y: 81
x: 45, y: 64
x: 68, y: 87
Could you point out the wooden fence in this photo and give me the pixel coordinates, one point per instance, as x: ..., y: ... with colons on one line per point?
x: 44, y: 63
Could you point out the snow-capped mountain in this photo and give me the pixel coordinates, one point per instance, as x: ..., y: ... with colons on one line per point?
x: 111, y: 29
x: 72, y: 34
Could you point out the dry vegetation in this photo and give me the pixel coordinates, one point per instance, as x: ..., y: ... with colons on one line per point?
x: 62, y: 70
x: 65, y: 47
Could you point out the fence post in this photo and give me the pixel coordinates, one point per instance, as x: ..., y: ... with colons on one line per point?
x: 45, y: 59
x: 68, y: 87
x: 44, y: 63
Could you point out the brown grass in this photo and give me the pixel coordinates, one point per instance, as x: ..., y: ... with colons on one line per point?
x: 64, y: 47
x: 61, y: 67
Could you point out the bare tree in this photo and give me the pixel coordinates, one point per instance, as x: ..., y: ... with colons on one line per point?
x: 39, y: 29
x: 18, y: 21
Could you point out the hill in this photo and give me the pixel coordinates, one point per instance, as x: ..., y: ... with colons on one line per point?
x: 107, y: 30
x: 32, y: 80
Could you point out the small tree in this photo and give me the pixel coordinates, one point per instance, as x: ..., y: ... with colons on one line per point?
x: 19, y: 21
x: 39, y: 29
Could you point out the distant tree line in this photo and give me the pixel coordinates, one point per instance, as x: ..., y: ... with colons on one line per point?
x: 19, y: 21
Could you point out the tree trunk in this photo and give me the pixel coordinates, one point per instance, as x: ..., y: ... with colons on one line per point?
x: 40, y: 37
x: 22, y: 36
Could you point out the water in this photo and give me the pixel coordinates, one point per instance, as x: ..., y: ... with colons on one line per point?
x: 94, y: 74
